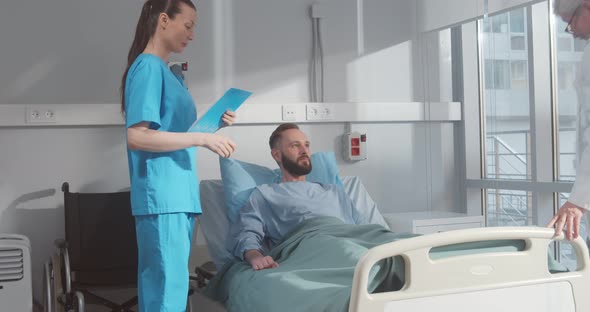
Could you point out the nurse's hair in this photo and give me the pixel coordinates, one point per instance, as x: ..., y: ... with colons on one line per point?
x: 275, y: 137
x: 146, y: 28
x: 566, y: 7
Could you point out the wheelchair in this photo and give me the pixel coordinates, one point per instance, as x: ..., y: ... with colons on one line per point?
x: 98, y: 253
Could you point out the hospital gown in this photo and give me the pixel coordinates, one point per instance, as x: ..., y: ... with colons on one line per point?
x: 273, y: 210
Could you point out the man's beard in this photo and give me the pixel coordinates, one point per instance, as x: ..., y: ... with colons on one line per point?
x: 294, y: 168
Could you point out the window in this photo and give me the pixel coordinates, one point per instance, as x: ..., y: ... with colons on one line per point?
x: 579, y: 45
x: 526, y: 126
x: 566, y: 74
x: 567, y: 62
x: 564, y: 44
x: 496, y: 24
x: 506, y: 100
x: 517, y: 21
x: 519, y: 72
x: 517, y: 42
x: 507, y: 152
x: 508, y: 208
x: 497, y: 74
x: 513, y: 21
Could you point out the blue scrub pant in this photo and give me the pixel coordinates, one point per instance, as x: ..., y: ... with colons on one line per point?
x: 163, y: 243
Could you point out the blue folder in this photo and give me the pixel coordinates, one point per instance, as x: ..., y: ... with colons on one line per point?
x: 211, y: 121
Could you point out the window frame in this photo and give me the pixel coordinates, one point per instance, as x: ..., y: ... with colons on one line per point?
x: 543, y: 185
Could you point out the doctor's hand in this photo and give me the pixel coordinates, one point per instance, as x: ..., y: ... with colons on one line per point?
x: 219, y: 144
x: 568, y: 217
x: 258, y: 261
x: 228, y: 118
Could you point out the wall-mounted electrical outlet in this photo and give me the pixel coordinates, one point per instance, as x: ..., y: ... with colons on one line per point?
x: 40, y: 114
x: 320, y: 111
x: 289, y: 112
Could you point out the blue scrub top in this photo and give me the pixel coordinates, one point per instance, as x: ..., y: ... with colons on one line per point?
x: 161, y: 182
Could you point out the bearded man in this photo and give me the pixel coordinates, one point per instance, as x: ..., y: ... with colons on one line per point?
x: 273, y: 210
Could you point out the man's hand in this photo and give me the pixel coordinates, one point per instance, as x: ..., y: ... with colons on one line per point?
x: 258, y: 261
x: 568, y: 217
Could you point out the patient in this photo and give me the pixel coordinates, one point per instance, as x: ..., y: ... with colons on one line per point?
x: 273, y: 210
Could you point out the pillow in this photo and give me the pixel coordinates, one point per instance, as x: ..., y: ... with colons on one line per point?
x: 240, y: 178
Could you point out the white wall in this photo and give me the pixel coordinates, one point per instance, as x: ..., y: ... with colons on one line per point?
x: 33, y: 164
x: 73, y: 51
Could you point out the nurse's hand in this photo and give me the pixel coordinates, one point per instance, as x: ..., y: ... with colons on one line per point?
x: 228, y: 118
x: 568, y: 217
x: 219, y: 144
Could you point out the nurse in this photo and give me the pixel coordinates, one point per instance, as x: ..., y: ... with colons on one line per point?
x: 162, y: 166
x: 577, y: 14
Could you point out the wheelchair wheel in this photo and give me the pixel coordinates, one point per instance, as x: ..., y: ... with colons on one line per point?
x: 189, y: 304
x: 77, y: 304
x: 53, y: 285
x: 57, y: 285
x: 48, y: 294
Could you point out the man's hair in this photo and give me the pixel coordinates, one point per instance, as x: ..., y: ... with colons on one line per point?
x: 566, y: 7
x: 275, y: 137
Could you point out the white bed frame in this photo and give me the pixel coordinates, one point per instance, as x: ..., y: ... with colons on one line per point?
x: 506, y: 281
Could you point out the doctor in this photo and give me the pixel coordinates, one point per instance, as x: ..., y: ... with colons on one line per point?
x: 577, y: 14
x: 162, y: 166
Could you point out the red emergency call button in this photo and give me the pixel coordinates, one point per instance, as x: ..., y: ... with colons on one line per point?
x: 355, y: 142
x: 355, y: 151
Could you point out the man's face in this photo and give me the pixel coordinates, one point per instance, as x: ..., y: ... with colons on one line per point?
x: 294, y: 152
x: 580, y: 21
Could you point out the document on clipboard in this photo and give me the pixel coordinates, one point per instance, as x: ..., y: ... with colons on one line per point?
x: 211, y: 121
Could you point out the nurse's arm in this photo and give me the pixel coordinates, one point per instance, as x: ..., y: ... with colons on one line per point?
x: 141, y: 137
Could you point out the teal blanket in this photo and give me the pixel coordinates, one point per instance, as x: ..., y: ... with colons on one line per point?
x: 316, y: 267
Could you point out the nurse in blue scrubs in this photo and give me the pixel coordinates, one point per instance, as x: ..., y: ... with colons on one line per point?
x: 162, y: 155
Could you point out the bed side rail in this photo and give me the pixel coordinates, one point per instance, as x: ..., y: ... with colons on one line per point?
x: 427, y: 277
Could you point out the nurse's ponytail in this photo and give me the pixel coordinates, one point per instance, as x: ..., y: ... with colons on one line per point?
x: 145, y: 30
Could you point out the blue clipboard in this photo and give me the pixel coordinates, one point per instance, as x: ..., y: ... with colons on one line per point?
x: 211, y: 121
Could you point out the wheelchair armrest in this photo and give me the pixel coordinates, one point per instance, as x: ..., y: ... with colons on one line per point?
x: 207, y: 270
x: 204, y: 273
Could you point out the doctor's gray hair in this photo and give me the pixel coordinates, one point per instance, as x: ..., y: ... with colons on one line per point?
x: 566, y: 7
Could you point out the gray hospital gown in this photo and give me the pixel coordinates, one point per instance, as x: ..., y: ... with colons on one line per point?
x: 273, y: 210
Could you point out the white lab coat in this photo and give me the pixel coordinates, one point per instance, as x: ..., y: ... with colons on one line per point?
x: 580, y: 194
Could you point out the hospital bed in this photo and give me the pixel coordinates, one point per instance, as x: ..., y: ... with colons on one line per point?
x: 516, y: 280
